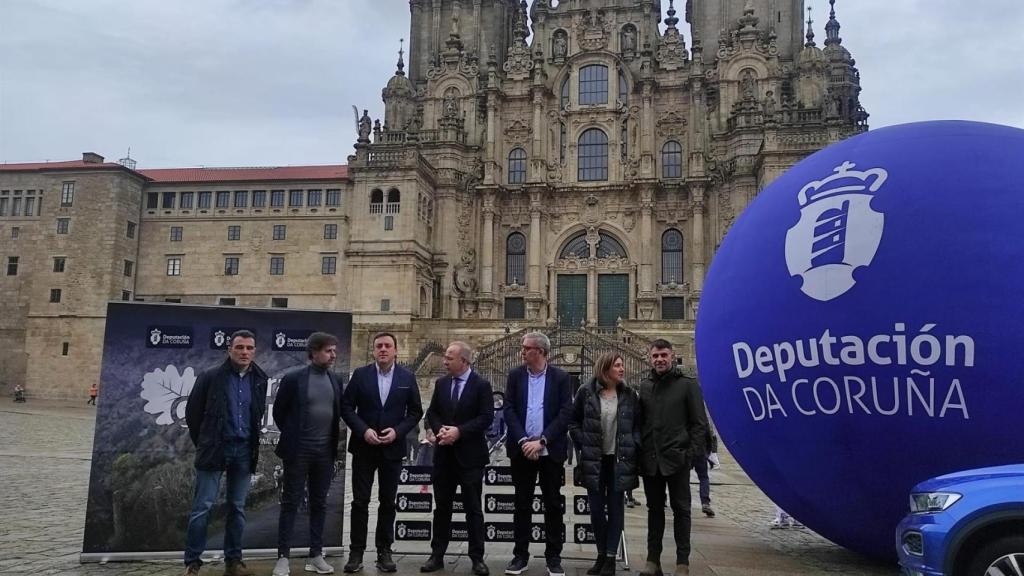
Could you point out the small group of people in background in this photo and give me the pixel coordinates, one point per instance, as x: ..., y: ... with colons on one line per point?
x: 652, y: 434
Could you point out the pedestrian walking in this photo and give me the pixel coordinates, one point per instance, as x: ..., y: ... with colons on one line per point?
x: 93, y: 392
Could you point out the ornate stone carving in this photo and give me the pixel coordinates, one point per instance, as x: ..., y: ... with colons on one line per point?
x: 592, y: 213
x: 593, y: 30
x: 464, y: 280
x: 519, y: 63
x: 671, y: 124
x: 518, y: 132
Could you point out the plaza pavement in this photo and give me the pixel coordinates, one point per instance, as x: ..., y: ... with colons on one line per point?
x: 44, y: 469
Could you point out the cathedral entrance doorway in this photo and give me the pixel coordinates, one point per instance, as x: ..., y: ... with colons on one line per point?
x: 572, y: 299
x: 612, y: 298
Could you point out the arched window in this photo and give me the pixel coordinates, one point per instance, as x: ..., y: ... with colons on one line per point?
x: 594, y: 84
x: 565, y: 93
x: 671, y: 160
x: 608, y: 247
x: 593, y: 156
x: 376, y: 202
x: 579, y: 247
x: 623, y: 87
x: 561, y: 142
x: 515, y: 259
x: 394, y: 201
x: 671, y: 256
x: 517, y: 166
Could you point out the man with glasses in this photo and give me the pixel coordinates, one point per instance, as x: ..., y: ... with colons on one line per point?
x: 538, y: 405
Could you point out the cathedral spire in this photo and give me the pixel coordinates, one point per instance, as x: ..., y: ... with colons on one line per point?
x: 832, y: 28
x: 401, y: 61
x: 519, y: 26
x: 671, y: 21
x: 810, y: 31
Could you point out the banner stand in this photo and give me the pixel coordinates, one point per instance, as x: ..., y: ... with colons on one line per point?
x: 261, y: 553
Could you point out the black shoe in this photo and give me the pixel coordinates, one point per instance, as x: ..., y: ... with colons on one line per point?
x: 354, y: 564
x: 609, y: 568
x: 517, y: 565
x: 480, y: 569
x: 385, y: 563
x: 433, y: 564
x: 598, y: 565
x: 706, y: 509
x: 555, y: 567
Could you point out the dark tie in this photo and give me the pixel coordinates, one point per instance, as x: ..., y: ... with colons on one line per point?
x: 455, y: 390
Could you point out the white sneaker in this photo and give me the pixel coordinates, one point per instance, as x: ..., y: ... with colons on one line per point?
x: 281, y: 568
x: 319, y: 565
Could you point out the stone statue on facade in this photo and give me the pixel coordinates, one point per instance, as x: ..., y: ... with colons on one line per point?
x: 628, y: 39
x: 365, y: 126
x: 560, y: 46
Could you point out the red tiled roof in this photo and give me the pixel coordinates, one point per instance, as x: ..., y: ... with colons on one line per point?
x: 39, y: 166
x: 332, y: 172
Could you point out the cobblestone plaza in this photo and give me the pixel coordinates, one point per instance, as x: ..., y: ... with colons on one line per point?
x: 44, y: 469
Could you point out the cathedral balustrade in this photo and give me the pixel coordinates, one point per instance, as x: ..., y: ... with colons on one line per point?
x: 385, y: 157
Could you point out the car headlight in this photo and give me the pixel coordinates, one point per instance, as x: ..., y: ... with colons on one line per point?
x: 926, y: 502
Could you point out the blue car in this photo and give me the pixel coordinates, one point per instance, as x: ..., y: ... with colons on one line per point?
x: 970, y: 523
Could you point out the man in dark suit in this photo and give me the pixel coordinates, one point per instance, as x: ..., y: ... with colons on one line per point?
x: 538, y: 405
x: 380, y: 405
x: 306, y: 411
x: 460, y: 413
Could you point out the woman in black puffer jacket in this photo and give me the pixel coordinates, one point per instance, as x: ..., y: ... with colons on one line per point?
x: 605, y: 428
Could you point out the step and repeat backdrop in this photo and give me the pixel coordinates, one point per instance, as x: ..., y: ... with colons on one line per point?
x: 141, y: 481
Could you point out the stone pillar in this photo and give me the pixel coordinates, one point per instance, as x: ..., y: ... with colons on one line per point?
x: 591, y: 296
x: 533, y: 253
x: 487, y: 251
x: 646, y: 233
x: 697, y: 236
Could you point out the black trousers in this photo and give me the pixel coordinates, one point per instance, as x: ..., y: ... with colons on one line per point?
x: 524, y: 476
x: 449, y: 476
x: 315, y: 472
x: 678, y: 486
x: 363, y: 468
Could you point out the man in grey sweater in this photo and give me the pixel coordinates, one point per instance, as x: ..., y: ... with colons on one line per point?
x: 307, y: 411
x: 672, y: 436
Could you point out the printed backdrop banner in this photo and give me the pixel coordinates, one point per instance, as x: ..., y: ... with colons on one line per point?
x: 141, y: 483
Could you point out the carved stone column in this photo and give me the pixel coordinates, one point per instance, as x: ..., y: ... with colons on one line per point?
x: 646, y: 300
x: 487, y: 252
x: 533, y: 255
x: 697, y: 236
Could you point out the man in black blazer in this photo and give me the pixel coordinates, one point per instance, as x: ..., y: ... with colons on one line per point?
x: 538, y: 405
x: 307, y: 411
x: 380, y: 405
x: 460, y: 413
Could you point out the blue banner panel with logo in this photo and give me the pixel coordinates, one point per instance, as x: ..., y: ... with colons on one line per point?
x: 857, y: 330
x: 140, y: 486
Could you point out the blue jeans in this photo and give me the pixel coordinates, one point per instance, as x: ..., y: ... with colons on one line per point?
x: 236, y: 457
x: 607, y: 510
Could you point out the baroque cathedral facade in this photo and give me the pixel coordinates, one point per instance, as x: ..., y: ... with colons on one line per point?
x: 571, y: 163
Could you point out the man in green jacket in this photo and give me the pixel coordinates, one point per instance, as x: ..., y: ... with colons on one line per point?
x: 672, y: 436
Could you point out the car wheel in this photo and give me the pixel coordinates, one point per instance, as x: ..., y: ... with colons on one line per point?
x: 1002, y: 557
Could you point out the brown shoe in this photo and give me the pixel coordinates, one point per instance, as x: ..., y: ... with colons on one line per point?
x: 192, y: 569
x: 237, y: 568
x: 682, y: 570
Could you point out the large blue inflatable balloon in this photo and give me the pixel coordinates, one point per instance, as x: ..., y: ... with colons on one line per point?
x: 861, y: 325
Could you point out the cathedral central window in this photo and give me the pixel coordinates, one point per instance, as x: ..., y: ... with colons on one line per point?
x: 593, y: 156
x: 594, y: 84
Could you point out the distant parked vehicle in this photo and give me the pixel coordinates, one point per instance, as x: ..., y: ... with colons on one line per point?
x: 969, y: 523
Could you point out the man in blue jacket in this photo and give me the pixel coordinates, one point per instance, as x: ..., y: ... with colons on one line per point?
x: 380, y: 405
x: 224, y: 415
x: 306, y: 411
x: 538, y: 405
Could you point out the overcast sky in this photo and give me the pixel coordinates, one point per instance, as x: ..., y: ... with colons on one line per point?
x: 272, y: 82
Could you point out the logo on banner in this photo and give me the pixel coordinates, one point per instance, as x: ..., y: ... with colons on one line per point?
x: 402, y: 530
x: 491, y: 531
x: 404, y: 475
x: 492, y: 476
x: 220, y: 336
x: 291, y: 340
x: 169, y: 337
x: 536, y: 504
x: 582, y: 506
x: 581, y: 533
x: 498, y: 476
x: 536, y: 533
x: 838, y: 231
x: 403, y: 503
x: 166, y: 393
x: 492, y: 503
x: 412, y: 530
